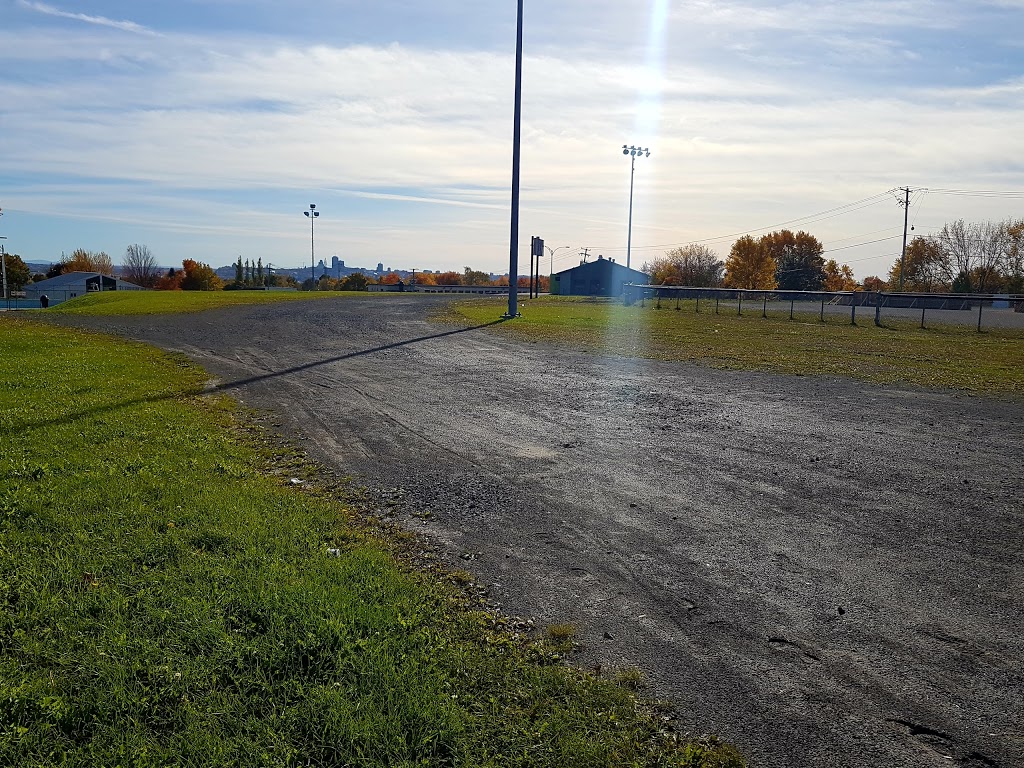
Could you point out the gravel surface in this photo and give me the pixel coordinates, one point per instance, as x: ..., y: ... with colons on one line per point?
x: 824, y: 572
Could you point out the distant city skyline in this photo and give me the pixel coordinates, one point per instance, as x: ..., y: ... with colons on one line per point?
x: 204, y: 132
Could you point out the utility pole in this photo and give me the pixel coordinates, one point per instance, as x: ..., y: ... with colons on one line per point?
x: 584, y: 253
x: 905, y: 202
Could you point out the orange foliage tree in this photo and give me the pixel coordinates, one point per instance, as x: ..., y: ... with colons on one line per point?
x: 199, y: 277
x: 749, y: 265
x: 449, y: 278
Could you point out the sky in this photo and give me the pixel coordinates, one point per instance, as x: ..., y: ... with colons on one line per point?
x: 204, y: 128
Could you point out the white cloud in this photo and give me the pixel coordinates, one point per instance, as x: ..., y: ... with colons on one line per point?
x: 102, y: 21
x: 414, y: 141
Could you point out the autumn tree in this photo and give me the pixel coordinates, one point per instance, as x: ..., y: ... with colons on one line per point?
x: 18, y: 273
x: 694, y: 265
x: 426, y: 278
x: 82, y: 260
x: 1013, y: 255
x: 391, y: 278
x: 449, y: 278
x: 139, y: 266
x: 475, y: 277
x: 925, y: 267
x: 199, y: 277
x: 171, y: 281
x: 799, y: 265
x: 874, y: 283
x: 839, y: 277
x: 749, y: 266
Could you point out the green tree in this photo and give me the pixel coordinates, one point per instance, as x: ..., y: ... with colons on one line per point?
x: 474, y: 277
x: 357, y: 281
x: 239, y: 273
x: 749, y: 265
x: 259, y: 272
x: 18, y: 273
x: 799, y: 265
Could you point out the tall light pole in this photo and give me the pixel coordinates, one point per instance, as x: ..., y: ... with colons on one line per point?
x: 312, y: 213
x: 633, y: 152
x: 513, y: 257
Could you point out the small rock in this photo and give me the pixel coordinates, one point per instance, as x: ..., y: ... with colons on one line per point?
x: 607, y: 636
x: 840, y: 610
x: 295, y: 481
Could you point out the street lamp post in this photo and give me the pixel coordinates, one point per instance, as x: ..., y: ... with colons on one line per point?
x: 551, y: 253
x: 633, y: 152
x: 312, y: 213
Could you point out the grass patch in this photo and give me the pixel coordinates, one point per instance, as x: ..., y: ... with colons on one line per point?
x: 166, y: 599
x: 898, y: 352
x: 179, y: 302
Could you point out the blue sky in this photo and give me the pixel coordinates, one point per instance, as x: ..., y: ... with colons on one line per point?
x: 204, y: 129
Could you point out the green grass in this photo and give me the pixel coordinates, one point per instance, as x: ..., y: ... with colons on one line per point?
x: 898, y: 352
x: 174, y: 302
x: 168, y: 598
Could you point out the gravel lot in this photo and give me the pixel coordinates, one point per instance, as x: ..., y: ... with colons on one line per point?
x: 824, y: 572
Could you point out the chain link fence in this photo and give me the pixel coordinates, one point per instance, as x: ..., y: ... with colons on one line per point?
x: 980, y: 311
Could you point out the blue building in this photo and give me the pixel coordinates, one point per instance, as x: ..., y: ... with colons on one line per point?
x: 603, y: 277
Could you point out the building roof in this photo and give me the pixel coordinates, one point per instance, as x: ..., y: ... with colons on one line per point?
x: 73, y: 278
x: 607, y: 265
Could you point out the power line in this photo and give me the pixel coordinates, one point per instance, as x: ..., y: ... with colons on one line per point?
x: 811, y: 218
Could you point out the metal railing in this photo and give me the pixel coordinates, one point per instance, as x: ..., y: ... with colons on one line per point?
x: 881, y: 304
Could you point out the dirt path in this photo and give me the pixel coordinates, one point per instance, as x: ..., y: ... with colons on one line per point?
x: 826, y: 573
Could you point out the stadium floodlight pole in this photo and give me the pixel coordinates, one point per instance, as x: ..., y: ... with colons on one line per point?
x: 633, y: 152
x: 513, y: 258
x: 312, y: 213
x: 551, y: 253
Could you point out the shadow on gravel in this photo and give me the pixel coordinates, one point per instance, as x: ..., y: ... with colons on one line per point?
x: 226, y: 386
x: 349, y: 356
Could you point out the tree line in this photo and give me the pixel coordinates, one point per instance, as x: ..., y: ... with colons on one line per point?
x: 982, y: 257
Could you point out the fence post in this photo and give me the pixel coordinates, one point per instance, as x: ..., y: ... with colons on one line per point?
x: 764, y: 307
x: 739, y: 303
x: 677, y: 299
x: 821, y: 317
x: 791, y: 300
x: 853, y: 310
x: 658, y: 305
x: 698, y: 304
x: 878, y: 308
x: 981, y: 303
x: 716, y: 302
x: 922, y: 314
